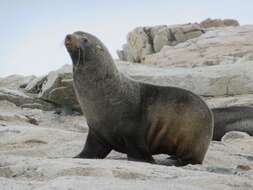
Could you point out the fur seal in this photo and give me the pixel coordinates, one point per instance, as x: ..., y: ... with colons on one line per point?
x: 234, y: 118
x: 131, y: 117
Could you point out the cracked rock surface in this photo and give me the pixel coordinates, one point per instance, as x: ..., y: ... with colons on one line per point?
x: 40, y: 157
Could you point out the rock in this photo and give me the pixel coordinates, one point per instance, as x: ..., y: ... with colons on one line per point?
x: 40, y: 158
x: 35, y: 86
x: 19, y: 98
x: 226, y: 101
x: 161, y: 39
x: 143, y: 42
x: 214, y: 47
x: 139, y: 43
x: 209, y: 23
x: 58, y: 88
x: 178, y: 34
x: 15, y: 81
x: 121, y: 55
x: 193, y: 34
x: 219, y: 80
x: 231, y: 136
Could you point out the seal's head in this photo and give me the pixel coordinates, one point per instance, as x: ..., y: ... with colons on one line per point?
x: 84, y: 47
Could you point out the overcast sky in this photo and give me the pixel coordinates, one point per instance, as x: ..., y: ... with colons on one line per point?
x: 32, y: 31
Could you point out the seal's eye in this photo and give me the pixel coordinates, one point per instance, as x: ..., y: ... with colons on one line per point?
x: 85, y: 40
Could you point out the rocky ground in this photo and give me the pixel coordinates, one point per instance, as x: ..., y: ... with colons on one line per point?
x: 41, y: 127
x: 36, y: 148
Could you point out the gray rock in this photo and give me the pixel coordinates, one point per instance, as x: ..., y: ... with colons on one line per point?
x: 19, y: 98
x: 57, y: 87
x: 231, y: 136
x: 219, y: 80
x: 209, y: 23
x: 139, y: 43
x: 15, y: 81
x: 35, y: 86
x: 144, y: 41
x: 40, y: 158
x: 214, y: 47
x: 178, y: 34
x: 162, y: 38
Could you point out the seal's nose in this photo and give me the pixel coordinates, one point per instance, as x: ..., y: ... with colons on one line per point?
x: 68, y: 40
x: 71, y: 42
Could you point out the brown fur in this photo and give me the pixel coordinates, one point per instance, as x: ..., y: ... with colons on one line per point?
x: 132, y: 117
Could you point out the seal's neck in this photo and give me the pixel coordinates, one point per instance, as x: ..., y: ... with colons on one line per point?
x: 96, y: 77
x: 101, y: 88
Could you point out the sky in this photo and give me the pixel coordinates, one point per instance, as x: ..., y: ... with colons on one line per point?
x: 32, y: 32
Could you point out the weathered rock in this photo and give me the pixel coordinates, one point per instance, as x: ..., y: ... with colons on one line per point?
x: 226, y: 101
x: 15, y: 81
x: 19, y: 98
x: 35, y: 86
x: 39, y: 158
x: 162, y: 38
x: 139, y: 43
x: 58, y: 88
x: 144, y: 41
x: 217, y: 80
x: 234, y: 135
x: 218, y: 46
x: 210, y: 23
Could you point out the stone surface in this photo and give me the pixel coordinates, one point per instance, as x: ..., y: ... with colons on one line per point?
x: 162, y: 38
x: 226, y: 101
x: 35, y: 86
x: 19, y: 98
x: 39, y: 157
x: 15, y: 81
x: 58, y: 88
x: 220, y: 80
x: 144, y: 41
x: 139, y: 43
x: 217, y: 46
x: 209, y: 23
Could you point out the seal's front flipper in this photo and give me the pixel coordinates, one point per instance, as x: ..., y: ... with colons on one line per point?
x: 94, y: 148
x: 139, y: 153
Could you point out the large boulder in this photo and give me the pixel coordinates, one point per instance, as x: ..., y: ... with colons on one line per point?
x: 217, y: 46
x: 143, y: 42
x: 57, y: 88
x: 139, y: 43
x: 15, y: 81
x: 220, y: 80
x: 210, y: 23
x: 24, y: 100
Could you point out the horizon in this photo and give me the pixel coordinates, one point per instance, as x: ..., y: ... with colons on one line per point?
x: 33, y: 32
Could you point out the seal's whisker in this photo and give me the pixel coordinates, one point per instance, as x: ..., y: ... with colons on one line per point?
x: 79, y: 56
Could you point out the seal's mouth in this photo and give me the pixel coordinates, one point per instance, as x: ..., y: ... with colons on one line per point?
x: 74, y: 47
x: 72, y: 43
